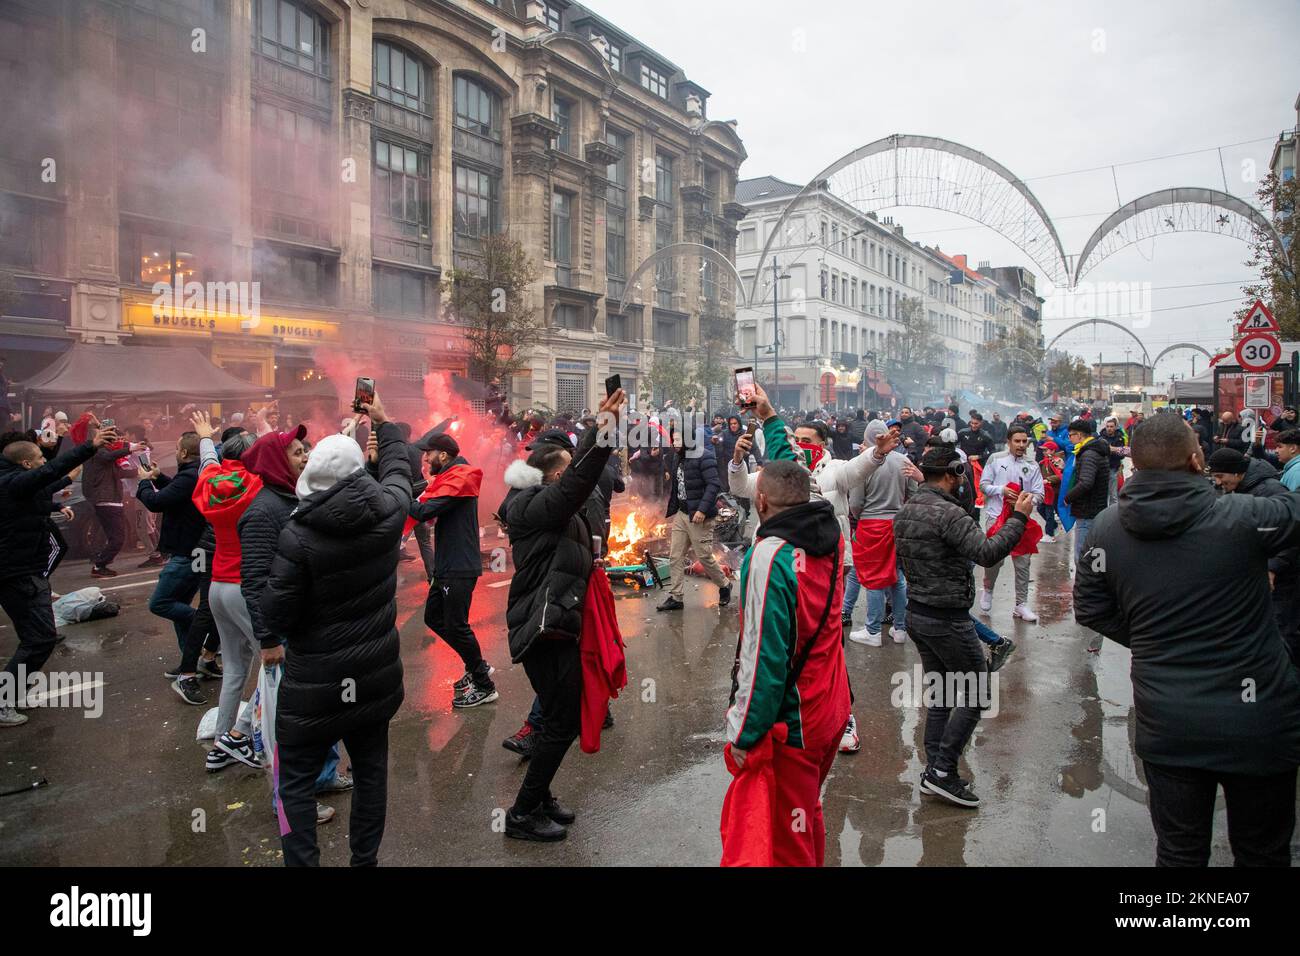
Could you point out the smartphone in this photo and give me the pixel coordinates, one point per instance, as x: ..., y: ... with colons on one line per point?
x: 613, y: 384
x: 143, y: 459
x: 365, y: 394
x: 745, y: 387
x: 752, y: 427
x: 108, y: 422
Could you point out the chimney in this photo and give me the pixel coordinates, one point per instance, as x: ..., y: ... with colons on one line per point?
x: 985, y: 267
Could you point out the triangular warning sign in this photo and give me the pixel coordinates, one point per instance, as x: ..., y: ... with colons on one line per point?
x: 1258, y: 319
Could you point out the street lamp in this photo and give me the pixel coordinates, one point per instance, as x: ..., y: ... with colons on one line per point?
x: 775, y: 348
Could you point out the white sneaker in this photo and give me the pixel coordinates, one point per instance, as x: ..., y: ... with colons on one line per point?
x: 9, y: 717
x: 864, y: 636
x: 1022, y: 611
x: 898, y: 634
x: 986, y: 600
x: 849, y: 743
x: 1047, y: 539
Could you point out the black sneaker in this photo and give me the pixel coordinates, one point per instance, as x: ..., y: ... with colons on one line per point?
x: 466, y: 679
x: 846, y: 620
x: 173, y: 673
x: 672, y: 604
x: 1000, y: 652
x: 218, y: 760
x: 210, y: 670
x: 536, y: 826
x: 609, y: 720
x: 188, y: 689
x: 551, y: 807
x: 241, y: 748
x: 724, y: 596
x: 104, y: 572
x: 523, y: 742
x: 474, y: 696
x: 952, y: 788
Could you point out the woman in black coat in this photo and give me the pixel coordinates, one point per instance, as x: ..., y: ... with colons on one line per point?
x: 332, y: 596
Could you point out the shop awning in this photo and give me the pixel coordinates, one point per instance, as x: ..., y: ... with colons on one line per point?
x: 115, y: 373
x: 1199, y: 389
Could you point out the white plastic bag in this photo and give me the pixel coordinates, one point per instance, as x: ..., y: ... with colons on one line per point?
x: 208, y: 724
x: 264, y: 699
x: 76, y: 606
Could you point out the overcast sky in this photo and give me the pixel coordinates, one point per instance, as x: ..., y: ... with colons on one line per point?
x: 1025, y: 83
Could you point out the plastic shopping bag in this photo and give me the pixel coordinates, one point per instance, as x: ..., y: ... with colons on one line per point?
x: 264, y: 699
x: 77, y: 606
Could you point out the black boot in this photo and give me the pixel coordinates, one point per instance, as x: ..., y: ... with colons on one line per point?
x: 536, y: 826
x: 551, y: 807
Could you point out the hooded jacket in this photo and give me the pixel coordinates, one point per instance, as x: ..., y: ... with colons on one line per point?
x: 259, y: 527
x: 101, y: 478
x: 331, y: 594
x: 699, y: 473
x: 25, y: 508
x: 173, y: 498
x: 223, y: 493
x: 1260, y: 480
x: 452, y: 498
x: 791, y: 593
x: 1089, y: 491
x: 550, y: 541
x: 1213, y: 686
x: 936, y: 541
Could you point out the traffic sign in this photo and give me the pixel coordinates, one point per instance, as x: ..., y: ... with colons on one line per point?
x: 1258, y: 351
x: 1258, y: 319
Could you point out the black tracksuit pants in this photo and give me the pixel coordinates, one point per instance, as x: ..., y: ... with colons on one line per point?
x: 26, y: 599
x: 446, y: 613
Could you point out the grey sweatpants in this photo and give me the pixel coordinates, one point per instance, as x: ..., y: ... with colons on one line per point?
x: 1021, y: 564
x: 239, y: 653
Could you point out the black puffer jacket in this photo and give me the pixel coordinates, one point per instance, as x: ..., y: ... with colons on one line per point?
x: 550, y: 540
x: 455, y: 537
x: 700, y: 475
x: 1090, y: 490
x: 937, y: 541
x: 332, y: 595
x: 259, y: 534
x: 1261, y: 480
x: 25, y: 508
x: 182, y: 524
x: 1213, y: 687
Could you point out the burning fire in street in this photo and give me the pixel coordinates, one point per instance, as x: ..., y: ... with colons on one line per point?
x: 627, y: 531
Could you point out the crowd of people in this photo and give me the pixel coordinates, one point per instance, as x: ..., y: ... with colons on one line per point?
x: 281, y: 557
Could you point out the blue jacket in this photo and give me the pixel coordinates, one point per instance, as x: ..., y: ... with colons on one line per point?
x: 1291, y: 474
x: 698, y: 469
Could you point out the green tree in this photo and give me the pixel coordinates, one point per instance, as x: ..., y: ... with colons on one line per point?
x: 672, y: 376
x: 490, y: 304
x: 1069, y: 376
x: 1277, y: 283
x: 713, y: 367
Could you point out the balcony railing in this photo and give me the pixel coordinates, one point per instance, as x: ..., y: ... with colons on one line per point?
x: 299, y: 84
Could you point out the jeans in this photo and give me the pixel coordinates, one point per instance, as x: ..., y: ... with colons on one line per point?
x: 114, y: 525
x: 446, y: 613
x: 299, y: 769
x: 986, y: 633
x: 897, y: 596
x: 26, y: 600
x: 851, y: 590
x: 1112, y: 493
x: 948, y: 648
x: 1261, y: 815
x: 239, y: 652
x: 555, y: 671
x: 178, y: 582
x: 424, y: 539
x: 202, y: 634
x: 1049, y: 518
x: 1081, y: 526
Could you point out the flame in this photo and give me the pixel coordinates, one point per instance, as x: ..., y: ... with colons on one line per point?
x: 626, y: 532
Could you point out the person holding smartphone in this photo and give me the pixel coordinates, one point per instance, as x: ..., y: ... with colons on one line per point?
x: 1015, y: 466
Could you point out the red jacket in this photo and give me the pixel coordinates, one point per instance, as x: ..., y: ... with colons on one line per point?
x: 604, y: 669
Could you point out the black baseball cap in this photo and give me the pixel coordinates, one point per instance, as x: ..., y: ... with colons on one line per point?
x: 552, y: 436
x: 443, y: 442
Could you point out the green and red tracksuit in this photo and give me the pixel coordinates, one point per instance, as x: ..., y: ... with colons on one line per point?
x: 791, y: 595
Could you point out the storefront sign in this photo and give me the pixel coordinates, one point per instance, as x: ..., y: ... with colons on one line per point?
x: 144, y: 318
x: 563, y: 366
x: 625, y: 358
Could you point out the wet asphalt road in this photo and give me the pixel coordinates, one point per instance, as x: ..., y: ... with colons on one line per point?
x: 1054, y: 768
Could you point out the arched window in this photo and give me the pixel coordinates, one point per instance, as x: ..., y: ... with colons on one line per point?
x: 400, y: 78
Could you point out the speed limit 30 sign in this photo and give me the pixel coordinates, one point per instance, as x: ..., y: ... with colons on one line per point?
x: 1258, y: 352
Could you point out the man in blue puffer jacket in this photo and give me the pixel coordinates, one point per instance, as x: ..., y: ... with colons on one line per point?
x: 692, y: 508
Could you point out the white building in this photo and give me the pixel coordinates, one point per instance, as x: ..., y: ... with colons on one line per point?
x: 843, y: 276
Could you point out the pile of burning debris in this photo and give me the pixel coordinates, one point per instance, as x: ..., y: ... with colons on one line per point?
x: 639, y: 542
